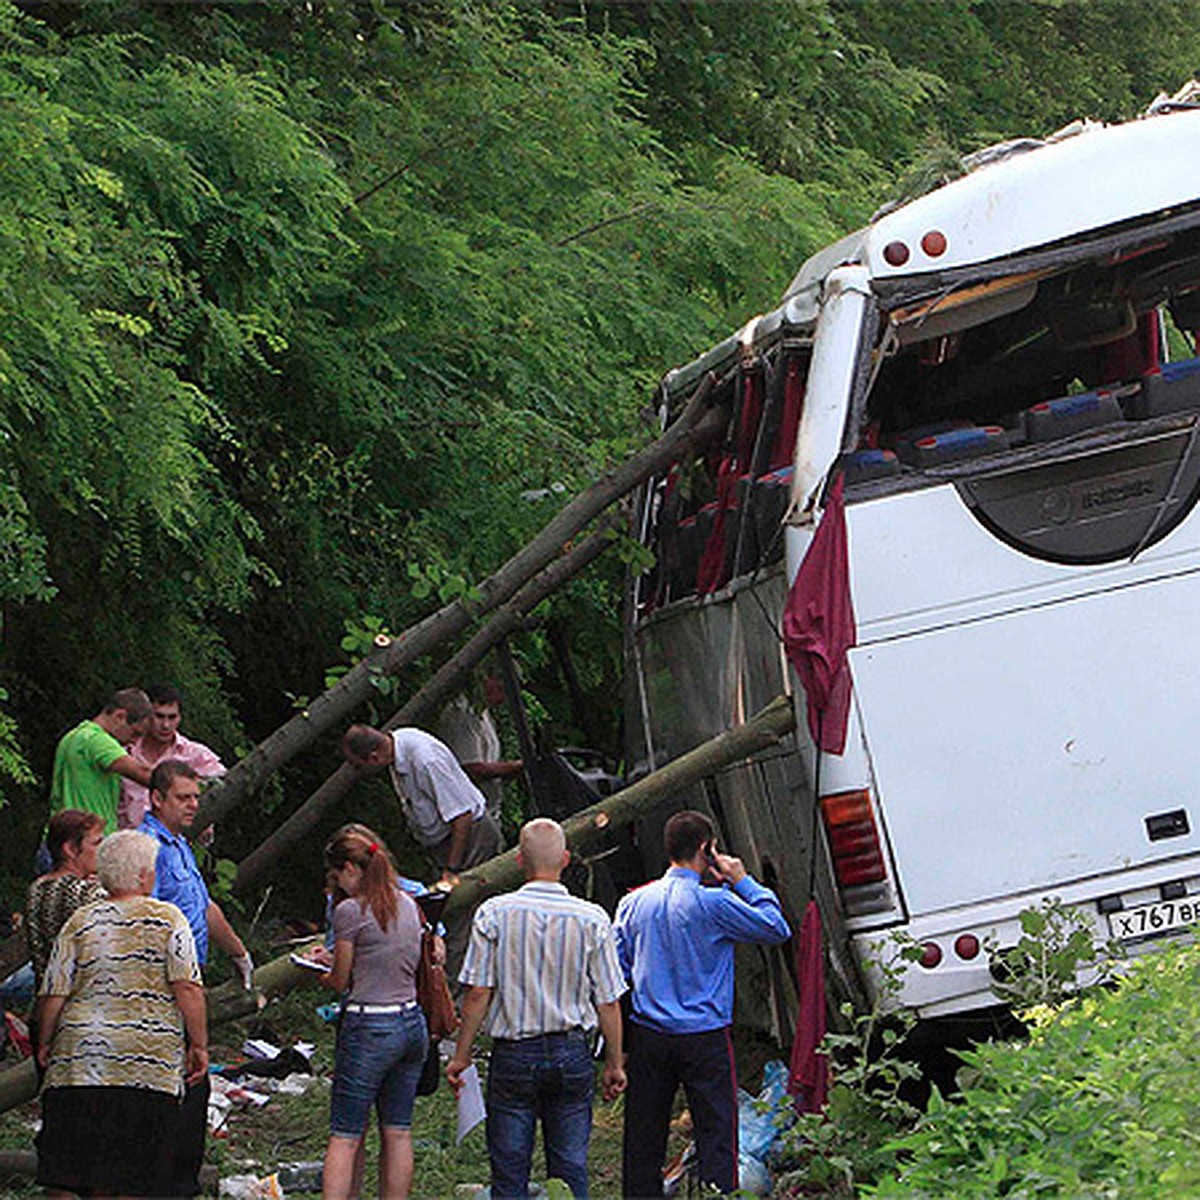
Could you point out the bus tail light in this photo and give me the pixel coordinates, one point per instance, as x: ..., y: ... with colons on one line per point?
x: 931, y: 955
x: 853, y: 839
x: 966, y: 946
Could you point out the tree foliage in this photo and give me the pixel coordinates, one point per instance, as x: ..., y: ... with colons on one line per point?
x: 299, y: 304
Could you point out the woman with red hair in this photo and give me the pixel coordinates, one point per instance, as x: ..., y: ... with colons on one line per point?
x: 382, y: 1038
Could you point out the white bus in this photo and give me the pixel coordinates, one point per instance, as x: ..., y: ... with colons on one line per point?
x: 1005, y: 371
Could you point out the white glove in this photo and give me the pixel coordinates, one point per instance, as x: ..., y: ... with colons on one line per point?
x: 244, y: 966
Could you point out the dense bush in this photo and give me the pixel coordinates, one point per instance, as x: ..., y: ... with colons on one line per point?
x: 1100, y: 1101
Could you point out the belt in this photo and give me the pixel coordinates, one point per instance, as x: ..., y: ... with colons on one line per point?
x: 379, y: 1008
x: 577, y: 1032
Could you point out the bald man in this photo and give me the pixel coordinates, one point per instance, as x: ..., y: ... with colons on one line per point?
x: 542, y: 968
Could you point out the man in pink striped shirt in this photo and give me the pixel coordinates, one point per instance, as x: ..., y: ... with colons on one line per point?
x: 161, y: 741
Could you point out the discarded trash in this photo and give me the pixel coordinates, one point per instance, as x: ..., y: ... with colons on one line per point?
x: 294, y: 1085
x: 17, y: 990
x: 761, y: 1119
x: 329, y: 1013
x: 17, y: 1034
x: 753, y: 1176
x: 675, y: 1177
x: 250, y: 1187
x: 285, y: 1062
x: 219, y: 1107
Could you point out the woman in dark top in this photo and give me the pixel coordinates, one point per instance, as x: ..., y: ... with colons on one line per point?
x: 382, y: 1039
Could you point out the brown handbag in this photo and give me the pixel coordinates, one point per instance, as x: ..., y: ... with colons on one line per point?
x: 433, y: 992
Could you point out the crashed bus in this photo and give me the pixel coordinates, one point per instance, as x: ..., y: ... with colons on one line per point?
x: 1004, y: 375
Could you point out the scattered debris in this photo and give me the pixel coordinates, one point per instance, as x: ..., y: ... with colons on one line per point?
x: 250, y: 1187
x: 761, y: 1119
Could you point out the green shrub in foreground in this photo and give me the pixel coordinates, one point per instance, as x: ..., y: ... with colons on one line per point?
x: 1101, y: 1101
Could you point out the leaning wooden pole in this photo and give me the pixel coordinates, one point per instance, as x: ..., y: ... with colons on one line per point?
x: 585, y: 832
x: 699, y: 423
x: 440, y: 688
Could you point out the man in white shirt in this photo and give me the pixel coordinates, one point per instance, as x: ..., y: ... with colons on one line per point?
x: 445, y: 811
x: 467, y: 727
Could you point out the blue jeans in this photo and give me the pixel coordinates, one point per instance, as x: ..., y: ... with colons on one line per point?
x: 548, y: 1078
x: 379, y: 1061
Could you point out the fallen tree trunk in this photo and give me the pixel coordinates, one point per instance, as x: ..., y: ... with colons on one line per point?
x: 441, y: 688
x: 699, y: 423
x: 586, y: 830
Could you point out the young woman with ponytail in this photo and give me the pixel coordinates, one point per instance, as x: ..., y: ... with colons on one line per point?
x: 382, y: 1039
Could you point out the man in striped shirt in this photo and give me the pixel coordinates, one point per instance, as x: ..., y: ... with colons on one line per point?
x: 542, y: 967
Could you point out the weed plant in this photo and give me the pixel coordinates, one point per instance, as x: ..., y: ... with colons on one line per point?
x: 832, y: 1153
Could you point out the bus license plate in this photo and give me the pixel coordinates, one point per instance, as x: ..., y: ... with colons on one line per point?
x: 1151, y: 920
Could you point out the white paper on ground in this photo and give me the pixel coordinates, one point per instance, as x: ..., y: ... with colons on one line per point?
x: 470, y: 1102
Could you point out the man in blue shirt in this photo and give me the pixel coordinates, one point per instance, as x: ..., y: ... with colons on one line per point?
x: 675, y: 938
x: 174, y: 799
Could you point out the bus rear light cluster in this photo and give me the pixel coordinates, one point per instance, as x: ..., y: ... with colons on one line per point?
x: 853, y: 838
x: 934, y: 243
x: 966, y: 946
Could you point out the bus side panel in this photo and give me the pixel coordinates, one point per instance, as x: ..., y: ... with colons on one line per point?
x: 1027, y: 749
x: 705, y: 667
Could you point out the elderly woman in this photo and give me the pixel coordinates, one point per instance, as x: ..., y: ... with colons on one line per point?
x: 121, y: 987
x: 73, y: 838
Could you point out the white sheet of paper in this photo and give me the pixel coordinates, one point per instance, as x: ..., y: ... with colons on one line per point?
x: 470, y: 1102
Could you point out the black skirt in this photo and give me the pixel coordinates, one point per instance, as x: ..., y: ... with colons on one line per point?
x: 106, y: 1140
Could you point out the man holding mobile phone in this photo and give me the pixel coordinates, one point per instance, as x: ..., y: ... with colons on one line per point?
x: 675, y: 940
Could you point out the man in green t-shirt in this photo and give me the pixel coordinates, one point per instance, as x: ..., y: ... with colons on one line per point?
x: 91, y: 758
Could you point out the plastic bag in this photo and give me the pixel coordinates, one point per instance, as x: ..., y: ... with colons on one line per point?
x: 250, y: 1187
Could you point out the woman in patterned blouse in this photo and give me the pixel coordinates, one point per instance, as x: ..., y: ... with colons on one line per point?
x: 121, y: 987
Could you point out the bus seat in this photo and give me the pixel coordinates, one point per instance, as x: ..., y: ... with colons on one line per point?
x: 953, y: 445
x: 1173, y: 387
x: 690, y: 544
x: 771, y: 495
x: 863, y: 465
x: 1067, y: 415
x: 740, y: 530
x: 903, y: 439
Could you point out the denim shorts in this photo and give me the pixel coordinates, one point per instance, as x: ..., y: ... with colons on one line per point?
x: 379, y: 1061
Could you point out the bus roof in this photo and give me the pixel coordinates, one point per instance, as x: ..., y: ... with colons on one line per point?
x: 1036, y: 196
x: 1101, y: 177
